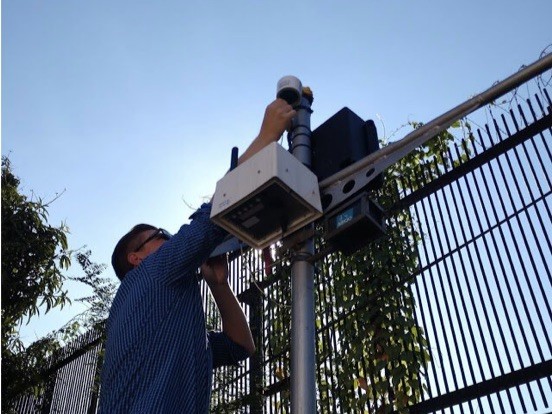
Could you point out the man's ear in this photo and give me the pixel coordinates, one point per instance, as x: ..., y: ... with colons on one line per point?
x: 134, y: 258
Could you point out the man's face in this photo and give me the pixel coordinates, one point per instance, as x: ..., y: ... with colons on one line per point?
x: 149, y: 242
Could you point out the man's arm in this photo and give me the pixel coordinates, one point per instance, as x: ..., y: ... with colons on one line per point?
x: 234, y: 323
x: 277, y: 119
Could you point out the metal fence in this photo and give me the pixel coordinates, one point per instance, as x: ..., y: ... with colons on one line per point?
x: 71, y: 380
x: 482, y: 290
x: 485, y: 285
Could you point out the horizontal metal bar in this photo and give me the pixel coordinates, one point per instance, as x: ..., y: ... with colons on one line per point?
x: 481, y: 389
x: 479, y: 160
x: 361, y: 173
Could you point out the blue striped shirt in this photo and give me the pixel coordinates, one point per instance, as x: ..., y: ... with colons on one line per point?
x: 159, y: 356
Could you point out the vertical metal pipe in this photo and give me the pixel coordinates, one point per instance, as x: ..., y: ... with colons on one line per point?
x: 303, y: 383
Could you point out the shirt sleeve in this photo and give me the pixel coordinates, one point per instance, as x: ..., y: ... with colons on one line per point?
x: 224, y: 350
x: 180, y: 257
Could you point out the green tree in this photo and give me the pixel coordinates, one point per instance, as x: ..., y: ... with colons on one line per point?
x: 34, y: 254
x: 98, y: 302
x: 35, y: 257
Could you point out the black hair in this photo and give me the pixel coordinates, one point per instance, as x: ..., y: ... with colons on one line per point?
x: 119, y: 258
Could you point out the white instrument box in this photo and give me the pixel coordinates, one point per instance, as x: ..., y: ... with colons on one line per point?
x: 267, y: 197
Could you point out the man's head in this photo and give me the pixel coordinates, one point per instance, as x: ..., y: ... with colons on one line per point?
x: 135, y: 246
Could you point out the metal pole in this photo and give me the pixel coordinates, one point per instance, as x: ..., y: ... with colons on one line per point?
x: 303, y: 384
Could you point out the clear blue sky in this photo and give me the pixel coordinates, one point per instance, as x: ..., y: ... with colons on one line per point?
x: 130, y: 108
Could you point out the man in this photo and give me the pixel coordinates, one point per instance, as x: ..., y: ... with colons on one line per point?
x: 159, y: 357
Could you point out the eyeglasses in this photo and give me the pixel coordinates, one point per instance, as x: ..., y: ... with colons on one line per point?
x: 159, y: 234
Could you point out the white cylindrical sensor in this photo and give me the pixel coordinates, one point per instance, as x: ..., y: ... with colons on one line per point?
x: 289, y: 89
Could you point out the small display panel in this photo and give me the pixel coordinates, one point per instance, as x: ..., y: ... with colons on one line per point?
x: 351, y: 213
x: 355, y: 225
x: 344, y: 217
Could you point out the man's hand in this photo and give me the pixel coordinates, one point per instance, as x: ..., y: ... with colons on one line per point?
x: 215, y: 271
x: 277, y: 119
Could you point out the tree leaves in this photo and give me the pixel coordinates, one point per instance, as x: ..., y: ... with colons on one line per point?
x: 34, y: 256
x: 29, y: 247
